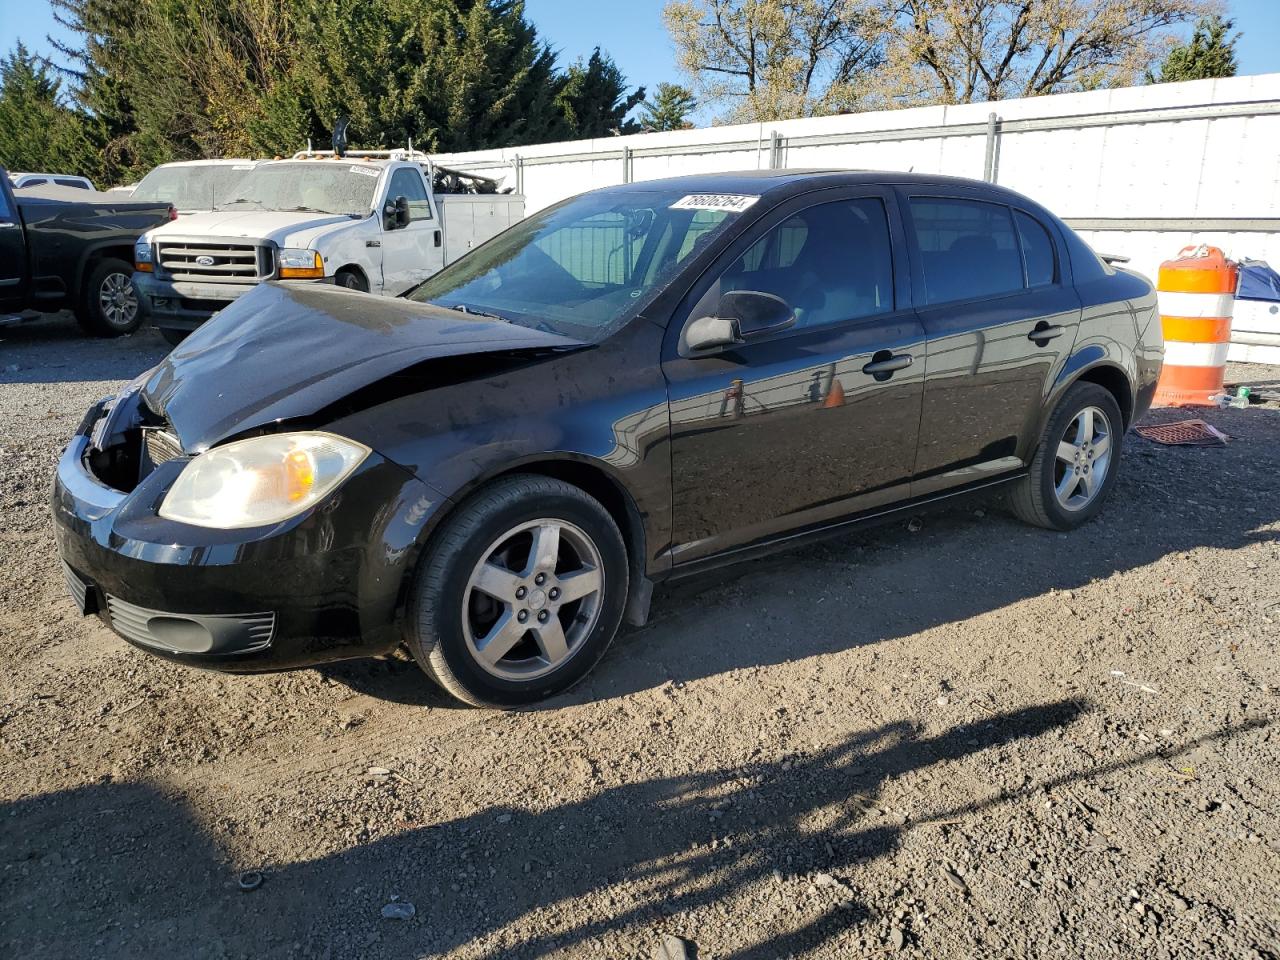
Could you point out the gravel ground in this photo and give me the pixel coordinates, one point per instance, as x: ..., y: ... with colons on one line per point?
x: 956, y: 737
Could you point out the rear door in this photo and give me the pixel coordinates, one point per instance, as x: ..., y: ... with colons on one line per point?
x: 993, y: 295
x: 813, y: 423
x: 13, y: 253
x: 415, y: 251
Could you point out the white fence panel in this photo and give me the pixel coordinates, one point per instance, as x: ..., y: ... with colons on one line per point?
x: 1140, y: 171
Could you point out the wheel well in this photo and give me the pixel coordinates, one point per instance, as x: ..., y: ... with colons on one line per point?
x: 604, y: 488
x: 353, y: 268
x: 94, y: 257
x: 1114, y: 382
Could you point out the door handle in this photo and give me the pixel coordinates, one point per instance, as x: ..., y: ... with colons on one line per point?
x: 885, y: 364
x: 1044, y: 332
x: 436, y: 239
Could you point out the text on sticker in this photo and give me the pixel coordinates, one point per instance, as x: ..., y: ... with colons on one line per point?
x: 367, y: 171
x: 728, y: 202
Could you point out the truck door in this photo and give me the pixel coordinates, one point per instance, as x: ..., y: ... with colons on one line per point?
x: 413, y: 251
x: 13, y: 253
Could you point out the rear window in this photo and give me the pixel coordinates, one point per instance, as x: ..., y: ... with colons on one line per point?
x: 968, y: 248
x: 79, y: 184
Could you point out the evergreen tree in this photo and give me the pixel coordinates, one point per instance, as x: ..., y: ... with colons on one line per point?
x: 669, y: 110
x: 40, y: 132
x: 595, y: 99
x: 1209, y: 54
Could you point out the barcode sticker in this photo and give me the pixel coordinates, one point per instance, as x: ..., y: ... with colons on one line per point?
x: 728, y: 202
x: 367, y: 171
x: 242, y: 166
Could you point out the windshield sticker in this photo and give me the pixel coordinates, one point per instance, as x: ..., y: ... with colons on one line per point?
x: 242, y: 166
x: 728, y: 202
x: 367, y: 171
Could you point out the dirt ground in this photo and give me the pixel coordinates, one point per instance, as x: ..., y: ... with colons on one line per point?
x: 956, y: 737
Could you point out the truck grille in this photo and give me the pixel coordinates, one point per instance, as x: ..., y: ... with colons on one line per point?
x: 223, y: 262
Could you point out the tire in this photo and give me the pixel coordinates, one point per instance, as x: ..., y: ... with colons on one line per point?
x: 108, y: 304
x: 449, y: 616
x: 1061, y: 490
x: 174, y: 336
x: 351, y: 280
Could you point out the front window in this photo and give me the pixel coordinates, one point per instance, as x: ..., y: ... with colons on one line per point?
x: 200, y: 187
x: 586, y: 266
x: 307, y: 187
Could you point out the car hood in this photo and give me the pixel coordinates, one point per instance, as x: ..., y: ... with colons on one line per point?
x: 288, y: 352
x: 284, y: 229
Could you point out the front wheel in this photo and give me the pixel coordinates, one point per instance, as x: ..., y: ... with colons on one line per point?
x: 1075, y: 465
x: 108, y: 304
x: 521, y: 593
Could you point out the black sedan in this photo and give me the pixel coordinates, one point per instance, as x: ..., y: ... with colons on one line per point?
x: 634, y: 384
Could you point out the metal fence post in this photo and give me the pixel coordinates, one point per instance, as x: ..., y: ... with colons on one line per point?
x: 775, y: 150
x: 989, y: 164
x: 518, y: 163
x: 626, y: 164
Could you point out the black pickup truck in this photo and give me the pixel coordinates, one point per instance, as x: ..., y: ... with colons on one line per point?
x: 65, y: 249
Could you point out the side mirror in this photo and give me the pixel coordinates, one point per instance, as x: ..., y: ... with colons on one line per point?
x: 396, y: 214
x: 740, y: 316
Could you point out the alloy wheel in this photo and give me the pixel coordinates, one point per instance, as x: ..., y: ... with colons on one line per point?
x: 117, y: 300
x: 533, y: 599
x: 1083, y: 459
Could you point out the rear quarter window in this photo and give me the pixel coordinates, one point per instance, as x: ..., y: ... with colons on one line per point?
x: 1037, y: 250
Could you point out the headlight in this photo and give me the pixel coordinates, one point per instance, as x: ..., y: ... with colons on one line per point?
x: 251, y: 483
x: 300, y: 265
x: 142, y: 256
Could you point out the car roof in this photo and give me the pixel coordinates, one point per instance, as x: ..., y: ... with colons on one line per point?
x: 797, y: 180
x: 19, y: 174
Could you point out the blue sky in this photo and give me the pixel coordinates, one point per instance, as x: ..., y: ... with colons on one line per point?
x: 633, y: 34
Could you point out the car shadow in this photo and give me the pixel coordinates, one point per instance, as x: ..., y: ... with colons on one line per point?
x: 129, y: 869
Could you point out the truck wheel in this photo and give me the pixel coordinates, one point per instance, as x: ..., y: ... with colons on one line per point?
x: 351, y: 280
x: 108, y: 303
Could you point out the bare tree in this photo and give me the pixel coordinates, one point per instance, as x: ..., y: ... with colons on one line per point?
x: 963, y: 51
x: 772, y: 59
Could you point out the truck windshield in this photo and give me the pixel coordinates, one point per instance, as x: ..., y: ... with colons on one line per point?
x: 586, y: 266
x: 200, y: 187
x: 316, y: 186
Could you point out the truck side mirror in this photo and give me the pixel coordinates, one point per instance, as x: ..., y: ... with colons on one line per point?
x: 396, y: 214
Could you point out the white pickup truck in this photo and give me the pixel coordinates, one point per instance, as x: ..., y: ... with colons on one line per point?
x: 369, y: 220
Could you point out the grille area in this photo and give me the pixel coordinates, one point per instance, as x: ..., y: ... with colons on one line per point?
x: 224, y: 262
x: 78, y: 588
x: 191, y: 633
x: 161, y: 445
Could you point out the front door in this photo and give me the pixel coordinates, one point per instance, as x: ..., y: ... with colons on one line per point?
x: 13, y: 256
x: 1000, y: 322
x: 816, y: 422
x: 414, y: 251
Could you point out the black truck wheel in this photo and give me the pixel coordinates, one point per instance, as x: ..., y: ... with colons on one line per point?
x: 108, y: 303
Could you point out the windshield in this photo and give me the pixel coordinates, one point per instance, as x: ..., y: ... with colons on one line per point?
x: 586, y: 266
x: 319, y: 187
x: 200, y: 187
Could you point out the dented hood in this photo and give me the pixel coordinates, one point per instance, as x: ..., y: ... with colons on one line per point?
x: 286, y: 352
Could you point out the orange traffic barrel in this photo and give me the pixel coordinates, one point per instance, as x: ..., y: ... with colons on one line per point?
x: 1197, y: 294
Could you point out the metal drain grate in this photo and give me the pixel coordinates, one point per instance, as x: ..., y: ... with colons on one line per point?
x: 1187, y: 433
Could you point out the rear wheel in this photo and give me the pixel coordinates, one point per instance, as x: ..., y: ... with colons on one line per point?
x: 1075, y: 465
x: 521, y: 594
x: 108, y: 303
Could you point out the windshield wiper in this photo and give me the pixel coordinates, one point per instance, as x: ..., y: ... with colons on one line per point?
x: 231, y: 203
x: 308, y: 210
x: 472, y: 311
